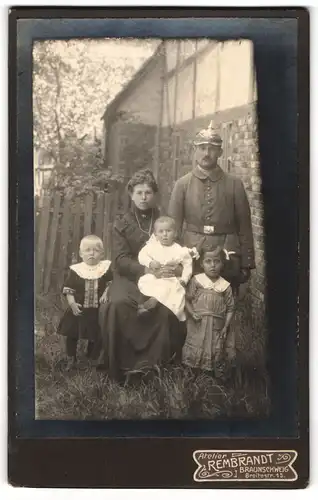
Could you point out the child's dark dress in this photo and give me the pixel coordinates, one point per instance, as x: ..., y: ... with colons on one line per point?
x: 87, y: 284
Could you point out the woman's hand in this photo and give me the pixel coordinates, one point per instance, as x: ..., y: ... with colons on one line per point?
x: 162, y: 271
x: 76, y: 309
x: 171, y: 270
x: 178, y: 270
x: 154, y: 268
x: 168, y: 271
x: 154, y: 265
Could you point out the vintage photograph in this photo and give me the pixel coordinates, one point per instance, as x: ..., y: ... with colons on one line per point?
x: 150, y: 265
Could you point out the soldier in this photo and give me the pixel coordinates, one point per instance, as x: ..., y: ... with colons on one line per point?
x: 212, y: 209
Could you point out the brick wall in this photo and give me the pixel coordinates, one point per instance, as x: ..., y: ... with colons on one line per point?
x: 243, y: 162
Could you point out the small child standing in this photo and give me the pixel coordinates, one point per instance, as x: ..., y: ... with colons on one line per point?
x: 85, y: 289
x: 161, y: 250
x: 210, y: 308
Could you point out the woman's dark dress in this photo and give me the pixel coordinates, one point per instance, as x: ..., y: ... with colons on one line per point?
x: 134, y: 342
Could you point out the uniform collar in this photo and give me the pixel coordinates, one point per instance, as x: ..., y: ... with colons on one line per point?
x: 213, y: 175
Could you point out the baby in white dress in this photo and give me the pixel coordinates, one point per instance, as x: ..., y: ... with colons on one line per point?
x: 162, y: 249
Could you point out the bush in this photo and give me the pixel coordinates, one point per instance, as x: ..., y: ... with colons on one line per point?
x: 85, y: 173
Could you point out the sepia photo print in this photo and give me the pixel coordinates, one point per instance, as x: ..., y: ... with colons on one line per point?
x: 150, y: 265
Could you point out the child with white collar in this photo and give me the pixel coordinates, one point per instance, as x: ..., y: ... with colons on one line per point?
x: 210, y: 308
x: 85, y: 288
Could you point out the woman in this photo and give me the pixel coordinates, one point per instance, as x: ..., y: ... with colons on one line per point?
x: 135, y: 342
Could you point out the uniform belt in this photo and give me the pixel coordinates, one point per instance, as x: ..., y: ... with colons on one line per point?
x: 210, y: 229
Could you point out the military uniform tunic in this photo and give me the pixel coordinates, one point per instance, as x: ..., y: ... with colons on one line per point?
x: 218, y: 200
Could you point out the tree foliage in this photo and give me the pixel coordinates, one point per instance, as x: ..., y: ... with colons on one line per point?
x: 71, y: 89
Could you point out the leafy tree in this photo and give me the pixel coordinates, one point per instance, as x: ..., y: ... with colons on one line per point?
x: 71, y: 88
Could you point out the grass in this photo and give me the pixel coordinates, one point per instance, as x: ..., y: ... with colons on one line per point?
x: 173, y: 392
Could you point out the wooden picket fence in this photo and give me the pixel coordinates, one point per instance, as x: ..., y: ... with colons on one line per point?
x: 59, y: 226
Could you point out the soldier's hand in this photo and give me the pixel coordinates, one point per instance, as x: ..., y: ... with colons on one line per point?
x: 196, y: 316
x: 223, y: 334
x: 245, y: 274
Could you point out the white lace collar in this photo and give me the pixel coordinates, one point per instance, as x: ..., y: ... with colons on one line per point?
x: 218, y: 286
x: 91, y: 272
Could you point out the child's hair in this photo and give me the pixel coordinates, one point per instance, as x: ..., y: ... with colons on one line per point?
x: 92, y: 238
x: 165, y: 218
x: 218, y: 252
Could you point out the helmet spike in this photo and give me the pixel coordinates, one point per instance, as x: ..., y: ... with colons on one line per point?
x: 209, y: 135
x: 211, y: 125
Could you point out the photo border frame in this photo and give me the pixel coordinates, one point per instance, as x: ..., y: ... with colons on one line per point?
x: 111, y: 461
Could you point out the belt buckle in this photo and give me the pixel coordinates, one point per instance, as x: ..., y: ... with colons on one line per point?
x: 208, y: 229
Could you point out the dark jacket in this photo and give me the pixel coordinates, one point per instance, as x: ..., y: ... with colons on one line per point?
x: 128, y: 239
x: 216, y: 199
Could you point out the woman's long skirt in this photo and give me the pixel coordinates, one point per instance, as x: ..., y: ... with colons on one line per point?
x: 133, y: 342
